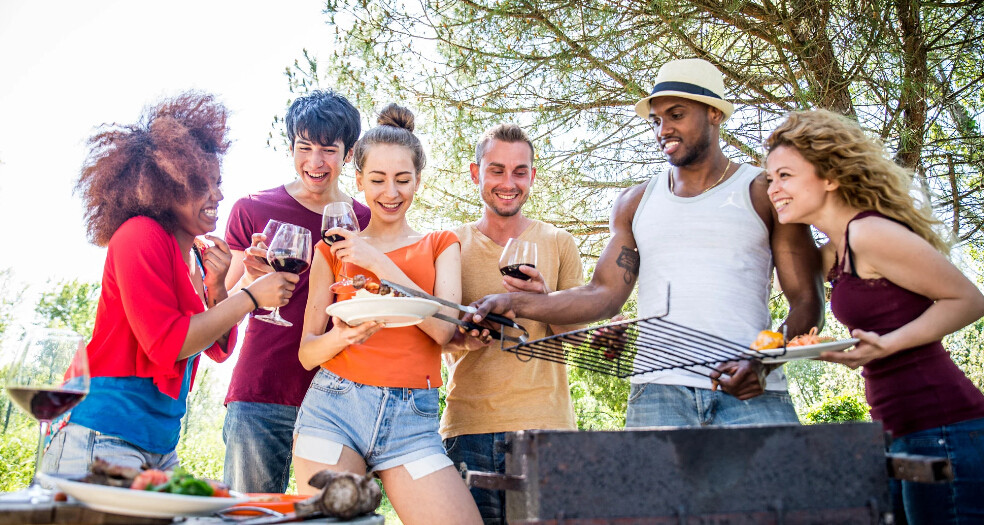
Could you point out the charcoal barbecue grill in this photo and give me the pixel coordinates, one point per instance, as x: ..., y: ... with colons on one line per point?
x: 784, y: 474
x: 633, y: 347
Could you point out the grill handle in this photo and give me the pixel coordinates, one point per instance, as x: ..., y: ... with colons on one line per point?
x: 921, y: 469
x: 493, y: 481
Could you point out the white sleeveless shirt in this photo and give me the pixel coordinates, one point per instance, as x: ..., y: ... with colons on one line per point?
x: 714, y: 252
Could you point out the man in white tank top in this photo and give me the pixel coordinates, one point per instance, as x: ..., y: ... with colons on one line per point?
x: 705, y: 226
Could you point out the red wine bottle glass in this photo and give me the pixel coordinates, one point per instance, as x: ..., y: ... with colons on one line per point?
x: 517, y: 253
x: 338, y: 215
x: 290, y: 251
x: 49, y: 376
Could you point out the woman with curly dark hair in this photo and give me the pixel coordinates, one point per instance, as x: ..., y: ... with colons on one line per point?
x: 894, y: 288
x: 150, y: 189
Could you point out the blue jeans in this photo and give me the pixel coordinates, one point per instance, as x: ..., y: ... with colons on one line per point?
x: 258, y: 439
x: 960, y: 501
x: 477, y: 452
x: 74, y: 447
x: 654, y: 405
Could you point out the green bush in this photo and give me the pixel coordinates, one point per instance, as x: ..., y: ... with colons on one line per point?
x: 838, y: 409
x: 18, y: 446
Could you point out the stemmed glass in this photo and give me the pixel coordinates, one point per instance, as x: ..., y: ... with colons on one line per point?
x: 269, y: 231
x: 517, y: 253
x: 290, y: 251
x: 49, y: 376
x: 339, y: 215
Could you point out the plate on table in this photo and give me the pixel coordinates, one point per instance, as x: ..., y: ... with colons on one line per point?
x: 144, y: 503
x: 394, y: 311
x: 776, y: 355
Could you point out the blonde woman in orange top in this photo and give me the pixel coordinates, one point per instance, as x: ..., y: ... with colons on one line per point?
x: 373, y: 406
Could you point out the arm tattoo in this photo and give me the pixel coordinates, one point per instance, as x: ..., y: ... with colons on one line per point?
x: 629, y: 259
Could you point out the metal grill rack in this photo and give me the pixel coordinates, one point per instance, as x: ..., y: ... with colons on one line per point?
x: 634, y: 347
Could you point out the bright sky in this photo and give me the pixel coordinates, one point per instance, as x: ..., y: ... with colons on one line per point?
x: 68, y: 66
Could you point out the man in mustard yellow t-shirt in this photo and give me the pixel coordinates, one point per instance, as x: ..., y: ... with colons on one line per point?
x: 491, y: 392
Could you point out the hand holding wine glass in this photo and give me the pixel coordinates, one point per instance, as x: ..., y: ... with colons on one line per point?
x: 338, y: 215
x: 290, y: 251
x: 517, y: 253
x: 49, y: 376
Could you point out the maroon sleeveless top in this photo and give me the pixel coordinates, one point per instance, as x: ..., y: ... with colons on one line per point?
x: 916, y: 388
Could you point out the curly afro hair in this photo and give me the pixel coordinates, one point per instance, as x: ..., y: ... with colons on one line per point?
x: 151, y: 167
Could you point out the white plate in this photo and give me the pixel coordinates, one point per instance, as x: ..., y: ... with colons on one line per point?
x: 144, y: 503
x: 394, y: 311
x: 805, y: 352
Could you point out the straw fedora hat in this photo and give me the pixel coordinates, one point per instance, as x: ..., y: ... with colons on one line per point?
x: 691, y: 78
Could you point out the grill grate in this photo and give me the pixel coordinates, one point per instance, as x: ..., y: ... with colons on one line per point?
x: 633, y: 347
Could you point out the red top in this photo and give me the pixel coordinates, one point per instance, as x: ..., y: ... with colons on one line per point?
x: 917, y: 388
x: 395, y: 357
x: 145, y: 306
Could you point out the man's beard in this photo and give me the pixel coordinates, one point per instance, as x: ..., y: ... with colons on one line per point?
x: 695, y: 153
x: 508, y: 212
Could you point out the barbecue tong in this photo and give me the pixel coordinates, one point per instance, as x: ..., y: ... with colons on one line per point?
x: 467, y: 325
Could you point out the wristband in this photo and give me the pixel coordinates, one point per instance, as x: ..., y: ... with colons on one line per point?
x: 256, y: 305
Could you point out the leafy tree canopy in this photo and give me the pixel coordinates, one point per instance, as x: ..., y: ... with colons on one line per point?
x: 570, y: 71
x: 70, y: 304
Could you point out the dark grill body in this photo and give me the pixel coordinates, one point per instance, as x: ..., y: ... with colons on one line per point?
x: 791, y: 474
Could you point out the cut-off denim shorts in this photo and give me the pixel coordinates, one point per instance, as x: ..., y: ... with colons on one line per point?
x: 74, y: 447
x: 388, y: 427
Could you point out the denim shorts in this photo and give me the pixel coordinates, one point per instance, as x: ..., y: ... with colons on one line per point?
x: 74, y: 447
x: 388, y: 427
x: 656, y: 405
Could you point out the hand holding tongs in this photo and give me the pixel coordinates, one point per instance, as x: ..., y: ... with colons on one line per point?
x: 467, y: 325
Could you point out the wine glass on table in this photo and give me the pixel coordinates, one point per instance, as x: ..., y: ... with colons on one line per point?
x: 290, y: 251
x: 48, y: 377
x: 517, y: 253
x: 339, y: 215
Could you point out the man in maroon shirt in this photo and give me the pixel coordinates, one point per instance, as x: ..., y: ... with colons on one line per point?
x: 269, y: 383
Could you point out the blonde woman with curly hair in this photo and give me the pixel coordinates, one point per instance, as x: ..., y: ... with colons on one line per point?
x: 897, y: 292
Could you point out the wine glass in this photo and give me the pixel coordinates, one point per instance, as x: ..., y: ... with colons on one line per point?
x: 49, y: 376
x: 339, y: 215
x: 517, y: 253
x: 269, y: 231
x: 290, y: 251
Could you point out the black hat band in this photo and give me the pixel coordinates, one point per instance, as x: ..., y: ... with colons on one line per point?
x: 684, y: 87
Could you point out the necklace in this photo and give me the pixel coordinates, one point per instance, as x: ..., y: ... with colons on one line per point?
x: 709, y: 188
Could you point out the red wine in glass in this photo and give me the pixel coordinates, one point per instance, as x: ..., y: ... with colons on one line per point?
x: 338, y: 215
x: 517, y: 253
x: 49, y: 376
x: 290, y: 251
x: 330, y: 239
x: 284, y: 260
x: 44, y: 404
x: 513, y: 270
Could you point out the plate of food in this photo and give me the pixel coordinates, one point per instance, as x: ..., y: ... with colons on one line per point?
x: 394, y: 311
x: 163, y: 494
x: 781, y: 355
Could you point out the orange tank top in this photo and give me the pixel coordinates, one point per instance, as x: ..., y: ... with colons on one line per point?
x: 404, y: 357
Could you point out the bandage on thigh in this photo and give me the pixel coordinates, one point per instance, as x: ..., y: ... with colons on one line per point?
x: 427, y: 465
x: 318, y: 449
